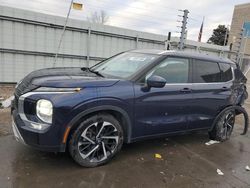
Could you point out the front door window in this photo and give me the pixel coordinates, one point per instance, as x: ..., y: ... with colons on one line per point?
x: 173, y: 70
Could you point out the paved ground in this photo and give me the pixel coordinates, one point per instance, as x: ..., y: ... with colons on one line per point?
x: 186, y: 162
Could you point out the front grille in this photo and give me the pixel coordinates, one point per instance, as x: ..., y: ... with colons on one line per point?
x: 23, y: 87
x: 18, y: 91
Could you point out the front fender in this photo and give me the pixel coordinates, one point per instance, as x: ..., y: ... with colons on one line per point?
x: 98, y: 105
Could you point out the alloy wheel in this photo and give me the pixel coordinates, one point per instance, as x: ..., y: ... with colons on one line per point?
x: 228, y: 124
x: 98, y: 141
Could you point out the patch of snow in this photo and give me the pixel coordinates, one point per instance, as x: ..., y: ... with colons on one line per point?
x: 7, y: 103
x: 247, y: 168
x: 219, y: 172
x: 211, y: 142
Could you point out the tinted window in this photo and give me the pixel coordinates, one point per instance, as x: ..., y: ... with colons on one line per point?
x: 205, y: 72
x: 174, y: 70
x: 226, y: 72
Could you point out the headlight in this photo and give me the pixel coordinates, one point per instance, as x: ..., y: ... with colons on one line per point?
x: 44, y: 110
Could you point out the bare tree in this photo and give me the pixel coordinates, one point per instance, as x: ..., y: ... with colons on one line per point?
x: 99, y: 17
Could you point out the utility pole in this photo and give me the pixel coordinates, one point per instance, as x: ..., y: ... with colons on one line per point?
x: 239, y: 46
x: 226, y: 36
x: 183, y: 29
x: 61, y: 38
x: 167, y: 44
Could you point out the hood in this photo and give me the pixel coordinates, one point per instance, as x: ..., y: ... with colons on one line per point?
x: 73, y: 81
x: 63, y: 77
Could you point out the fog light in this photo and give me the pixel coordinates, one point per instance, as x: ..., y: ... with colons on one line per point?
x: 39, y: 126
x: 44, y: 110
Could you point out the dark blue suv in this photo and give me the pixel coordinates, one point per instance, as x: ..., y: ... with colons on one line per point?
x: 129, y: 97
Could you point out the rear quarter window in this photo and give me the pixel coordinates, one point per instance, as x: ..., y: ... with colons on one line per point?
x: 226, y: 72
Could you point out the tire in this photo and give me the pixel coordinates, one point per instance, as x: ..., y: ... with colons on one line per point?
x: 223, y: 126
x: 96, y: 140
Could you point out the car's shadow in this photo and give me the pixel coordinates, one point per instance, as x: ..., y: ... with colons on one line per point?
x: 35, y: 167
x: 136, y: 149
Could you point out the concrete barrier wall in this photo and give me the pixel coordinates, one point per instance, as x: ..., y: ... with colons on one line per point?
x: 29, y: 41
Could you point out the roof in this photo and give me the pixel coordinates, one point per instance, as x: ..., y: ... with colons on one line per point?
x: 184, y: 54
x: 243, y: 5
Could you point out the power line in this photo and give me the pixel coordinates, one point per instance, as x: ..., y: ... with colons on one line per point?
x: 153, y: 24
x: 149, y: 19
x: 154, y: 17
x: 111, y: 6
x: 143, y: 8
x: 194, y: 19
x: 113, y: 9
x: 143, y: 14
x: 163, y: 6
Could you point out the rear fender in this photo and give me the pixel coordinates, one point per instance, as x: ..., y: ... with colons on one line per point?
x: 239, y: 110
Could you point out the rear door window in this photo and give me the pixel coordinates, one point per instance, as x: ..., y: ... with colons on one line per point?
x: 206, y: 72
x: 226, y: 72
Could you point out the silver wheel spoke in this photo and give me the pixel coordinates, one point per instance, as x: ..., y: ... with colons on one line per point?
x: 111, y: 137
x: 103, y: 125
x: 85, y: 147
x: 229, y: 118
x: 83, y: 143
x: 89, y: 153
x: 104, y: 151
x: 85, y: 137
x: 230, y: 126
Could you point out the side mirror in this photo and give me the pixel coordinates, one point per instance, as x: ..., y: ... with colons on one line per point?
x: 156, y: 81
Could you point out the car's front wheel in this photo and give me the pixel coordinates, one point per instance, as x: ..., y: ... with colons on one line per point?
x: 96, y: 140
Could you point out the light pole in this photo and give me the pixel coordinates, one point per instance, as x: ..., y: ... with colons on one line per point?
x: 226, y: 35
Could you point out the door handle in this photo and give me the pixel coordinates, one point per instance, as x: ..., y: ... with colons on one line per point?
x: 186, y: 90
x: 224, y: 88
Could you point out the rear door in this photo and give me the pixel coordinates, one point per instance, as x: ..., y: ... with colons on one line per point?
x: 212, y: 88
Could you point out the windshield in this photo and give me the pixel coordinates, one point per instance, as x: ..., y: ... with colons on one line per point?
x: 124, y: 65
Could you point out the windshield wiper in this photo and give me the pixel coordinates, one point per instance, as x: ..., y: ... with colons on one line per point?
x: 96, y: 72
x: 92, y: 71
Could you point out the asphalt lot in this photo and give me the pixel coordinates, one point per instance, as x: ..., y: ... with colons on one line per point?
x: 186, y: 162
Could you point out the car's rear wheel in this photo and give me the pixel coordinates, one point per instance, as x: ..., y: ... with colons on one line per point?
x: 223, y: 126
x: 96, y: 140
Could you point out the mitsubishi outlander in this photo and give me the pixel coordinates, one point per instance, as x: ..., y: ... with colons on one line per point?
x: 131, y: 96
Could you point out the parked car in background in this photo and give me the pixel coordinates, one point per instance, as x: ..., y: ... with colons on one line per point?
x: 134, y: 95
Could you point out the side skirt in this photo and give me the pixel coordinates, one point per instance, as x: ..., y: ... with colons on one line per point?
x: 147, y: 137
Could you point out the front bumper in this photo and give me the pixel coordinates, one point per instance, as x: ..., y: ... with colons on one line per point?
x: 17, y: 134
x: 33, y: 131
x: 38, y: 140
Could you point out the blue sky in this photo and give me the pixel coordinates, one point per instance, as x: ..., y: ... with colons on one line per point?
x: 155, y: 16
